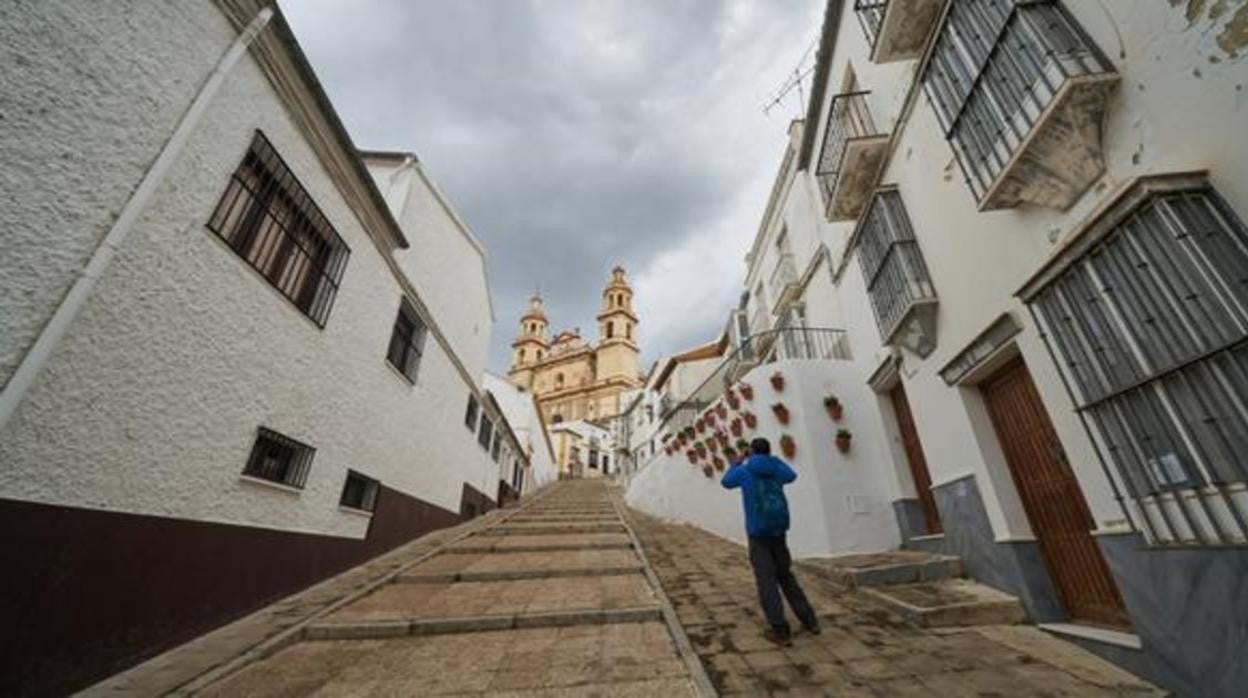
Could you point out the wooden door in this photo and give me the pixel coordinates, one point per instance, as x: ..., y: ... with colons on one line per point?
x: 1055, y: 506
x: 914, y: 456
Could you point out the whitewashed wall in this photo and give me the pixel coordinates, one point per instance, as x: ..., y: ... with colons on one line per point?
x: 839, y: 503
x: 151, y: 402
x: 526, y: 423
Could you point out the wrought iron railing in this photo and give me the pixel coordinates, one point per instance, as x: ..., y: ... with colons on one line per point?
x: 994, y: 70
x: 815, y: 343
x: 848, y: 118
x: 871, y: 16
x: 891, y: 262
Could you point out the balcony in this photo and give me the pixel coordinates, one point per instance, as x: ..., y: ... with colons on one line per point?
x: 783, y: 284
x: 897, y: 281
x: 853, y: 153
x: 1021, y: 93
x: 897, y: 29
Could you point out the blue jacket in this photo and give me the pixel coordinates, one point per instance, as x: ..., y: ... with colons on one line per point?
x: 761, y: 479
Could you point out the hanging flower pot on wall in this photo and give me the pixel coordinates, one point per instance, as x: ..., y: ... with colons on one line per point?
x: 788, y: 446
x: 843, y: 440
x: 751, y: 421
x: 747, y: 391
x: 700, y: 448
x: 692, y: 455
x: 735, y: 427
x: 743, y: 447
x: 722, y: 411
x: 781, y: 412
x: 733, y: 401
x: 730, y: 455
x: 701, y: 425
x: 777, y: 381
x: 707, y: 471
x: 719, y: 463
x: 713, y: 445
x: 834, y: 407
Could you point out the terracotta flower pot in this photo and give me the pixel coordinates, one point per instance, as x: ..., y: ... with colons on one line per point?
x: 713, y: 445
x: 747, y: 391
x: 743, y: 447
x: 700, y: 425
x: 722, y: 411
x: 835, y: 410
x: 751, y: 421
x: 777, y: 381
x: 843, y: 440
x: 719, y: 463
x: 735, y: 427
x: 707, y: 471
x: 730, y: 455
x: 700, y: 448
x: 733, y: 401
x: 692, y: 455
x: 781, y: 412
x: 788, y: 446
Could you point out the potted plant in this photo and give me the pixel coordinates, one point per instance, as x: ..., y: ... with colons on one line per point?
x: 692, y: 455
x: 834, y: 407
x: 788, y: 446
x: 743, y: 447
x: 700, y: 424
x: 777, y: 381
x: 688, y: 432
x: 781, y: 412
x: 722, y: 410
x: 747, y: 391
x: 730, y: 455
x: 751, y: 421
x: 733, y: 401
x: 735, y: 427
x: 707, y: 471
x: 700, y: 448
x: 843, y: 439
x: 719, y: 463
x: 712, y: 445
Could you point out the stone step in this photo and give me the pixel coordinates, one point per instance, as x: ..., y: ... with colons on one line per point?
x: 554, y: 546
x: 508, y: 575
x: 950, y: 603
x: 381, y: 629
x: 887, y: 568
x: 551, y: 529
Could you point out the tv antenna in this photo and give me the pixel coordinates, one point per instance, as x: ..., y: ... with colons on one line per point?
x: 793, y: 82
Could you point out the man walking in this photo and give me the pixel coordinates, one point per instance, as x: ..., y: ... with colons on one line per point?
x: 762, y: 477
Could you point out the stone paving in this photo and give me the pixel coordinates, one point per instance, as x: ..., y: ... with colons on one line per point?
x: 491, y: 615
x: 864, y: 650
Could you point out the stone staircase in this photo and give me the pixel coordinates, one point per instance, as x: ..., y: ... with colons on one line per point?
x: 924, y: 588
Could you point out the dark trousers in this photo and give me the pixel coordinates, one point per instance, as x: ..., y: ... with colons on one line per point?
x: 771, y: 562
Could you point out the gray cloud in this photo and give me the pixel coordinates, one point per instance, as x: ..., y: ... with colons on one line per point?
x: 574, y: 135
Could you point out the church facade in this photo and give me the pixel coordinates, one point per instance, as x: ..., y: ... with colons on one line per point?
x: 571, y: 378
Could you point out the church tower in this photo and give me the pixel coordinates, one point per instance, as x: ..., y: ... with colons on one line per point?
x: 617, y: 331
x: 530, y: 346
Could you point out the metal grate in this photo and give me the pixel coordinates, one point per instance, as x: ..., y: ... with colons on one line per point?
x: 486, y: 433
x: 406, y: 341
x: 1151, y: 327
x: 279, y: 458
x: 891, y: 262
x: 268, y: 218
x: 996, y: 66
x: 359, y: 492
x: 871, y: 16
x: 848, y: 118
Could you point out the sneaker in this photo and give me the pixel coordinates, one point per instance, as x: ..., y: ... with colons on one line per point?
x: 813, y: 629
x: 780, y: 637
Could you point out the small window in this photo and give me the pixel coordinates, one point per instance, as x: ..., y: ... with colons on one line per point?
x: 610, y: 330
x: 521, y: 356
x: 359, y: 492
x: 495, y: 447
x: 279, y: 459
x: 558, y: 380
x: 406, y: 341
x: 628, y: 331
x: 606, y: 463
x: 470, y: 416
x: 486, y: 433
x: 269, y: 220
x: 556, y: 419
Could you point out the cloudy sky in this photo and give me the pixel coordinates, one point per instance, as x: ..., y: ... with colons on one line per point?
x: 572, y: 135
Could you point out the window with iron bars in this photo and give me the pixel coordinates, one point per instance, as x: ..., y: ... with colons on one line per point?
x: 891, y: 262
x: 279, y: 459
x: 495, y: 446
x: 470, y: 415
x: 995, y: 67
x: 406, y: 341
x: 359, y: 492
x: 486, y: 433
x: 1151, y: 328
x: 268, y: 218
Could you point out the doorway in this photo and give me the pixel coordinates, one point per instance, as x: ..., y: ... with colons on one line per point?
x: 1051, y: 497
x: 914, y: 457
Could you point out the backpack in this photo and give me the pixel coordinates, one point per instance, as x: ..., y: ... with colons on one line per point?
x: 771, y: 511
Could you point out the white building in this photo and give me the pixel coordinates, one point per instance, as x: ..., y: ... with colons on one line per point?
x: 226, y: 355
x: 520, y: 409
x: 584, y: 449
x: 1027, y: 219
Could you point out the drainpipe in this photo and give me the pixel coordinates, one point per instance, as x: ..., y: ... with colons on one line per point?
x: 54, y: 331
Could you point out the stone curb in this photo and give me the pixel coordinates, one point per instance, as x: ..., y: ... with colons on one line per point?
x: 513, y: 575
x: 389, y: 629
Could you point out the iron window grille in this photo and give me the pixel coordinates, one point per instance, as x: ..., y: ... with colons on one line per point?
x: 486, y: 433
x: 359, y: 492
x: 279, y: 459
x: 891, y: 262
x: 495, y: 446
x: 996, y: 66
x: 406, y: 341
x: 470, y: 415
x: 871, y: 16
x: 848, y: 118
x: 268, y: 219
x: 1151, y: 329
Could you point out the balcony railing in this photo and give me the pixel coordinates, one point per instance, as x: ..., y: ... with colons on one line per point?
x: 853, y: 151
x: 783, y: 284
x: 896, y: 29
x: 898, y: 284
x: 1021, y: 93
x: 815, y: 343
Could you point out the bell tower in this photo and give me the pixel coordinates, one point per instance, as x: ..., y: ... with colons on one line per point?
x: 617, y: 330
x: 530, y: 346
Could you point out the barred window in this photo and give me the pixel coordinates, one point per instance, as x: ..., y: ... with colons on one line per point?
x: 406, y: 341
x: 359, y: 492
x: 494, y: 447
x: 268, y: 218
x: 891, y: 262
x: 470, y: 416
x: 279, y: 459
x: 1151, y: 327
x: 486, y: 433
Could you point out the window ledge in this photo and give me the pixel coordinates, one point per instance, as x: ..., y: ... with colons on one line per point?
x: 399, y: 373
x: 355, y: 512
x: 1102, y: 635
x: 270, y: 484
